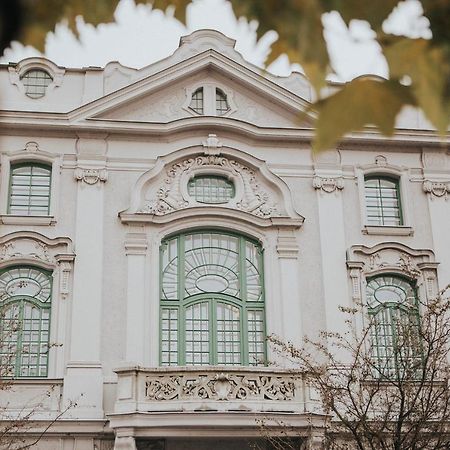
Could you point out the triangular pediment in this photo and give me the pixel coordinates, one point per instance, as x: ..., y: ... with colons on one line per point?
x: 163, y: 96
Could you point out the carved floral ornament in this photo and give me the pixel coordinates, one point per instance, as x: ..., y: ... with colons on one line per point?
x: 328, y: 184
x: 391, y: 257
x: 220, y: 386
x: 250, y: 196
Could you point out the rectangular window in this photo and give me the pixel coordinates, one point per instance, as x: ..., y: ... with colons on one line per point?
x: 29, y: 192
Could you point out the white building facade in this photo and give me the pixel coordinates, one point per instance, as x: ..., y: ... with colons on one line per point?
x: 158, y: 224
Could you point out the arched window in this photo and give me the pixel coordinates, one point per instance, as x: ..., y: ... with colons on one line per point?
x: 29, y: 192
x: 197, y: 101
x: 212, y: 300
x: 221, y: 103
x: 211, y: 189
x: 35, y: 82
x: 394, y: 313
x: 25, y: 304
x: 383, y: 204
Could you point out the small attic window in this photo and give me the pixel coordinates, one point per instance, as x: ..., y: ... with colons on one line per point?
x: 35, y: 82
x: 211, y: 189
x: 197, y: 101
x: 221, y: 103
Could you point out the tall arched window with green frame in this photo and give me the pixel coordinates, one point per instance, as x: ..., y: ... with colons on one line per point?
x: 394, y: 326
x: 25, y: 306
x: 212, y: 300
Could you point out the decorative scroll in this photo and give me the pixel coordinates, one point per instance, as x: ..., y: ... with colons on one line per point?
x: 437, y: 189
x: 25, y: 248
x: 91, y: 176
x: 169, y: 197
x: 328, y: 184
x: 220, y: 386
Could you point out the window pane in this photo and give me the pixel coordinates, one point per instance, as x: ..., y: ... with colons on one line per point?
x: 211, y: 189
x: 30, y: 190
x: 197, y: 101
x: 36, y: 82
x: 382, y: 202
x: 221, y: 103
x: 25, y: 321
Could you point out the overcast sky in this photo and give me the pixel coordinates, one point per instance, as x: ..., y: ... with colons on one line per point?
x: 141, y: 36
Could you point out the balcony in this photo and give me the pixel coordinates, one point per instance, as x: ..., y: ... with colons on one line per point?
x: 213, y: 401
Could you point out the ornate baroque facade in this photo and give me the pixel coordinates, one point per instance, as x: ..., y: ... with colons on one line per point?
x: 158, y: 224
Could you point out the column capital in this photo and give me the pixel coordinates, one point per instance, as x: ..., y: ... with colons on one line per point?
x: 135, y: 244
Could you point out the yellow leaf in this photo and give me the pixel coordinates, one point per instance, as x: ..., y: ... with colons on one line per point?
x: 361, y: 102
x: 428, y: 68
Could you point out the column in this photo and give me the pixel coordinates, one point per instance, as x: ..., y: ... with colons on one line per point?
x: 329, y: 185
x: 83, y: 383
x: 136, y: 250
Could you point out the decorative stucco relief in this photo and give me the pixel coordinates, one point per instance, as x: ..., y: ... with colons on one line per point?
x: 90, y: 176
x: 220, y: 386
x: 393, y: 257
x: 25, y: 248
x: 171, y: 196
x: 328, y: 184
x: 436, y: 188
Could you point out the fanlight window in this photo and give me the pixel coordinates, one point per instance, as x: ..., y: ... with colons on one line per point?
x: 383, y: 205
x: 221, y: 103
x: 197, y: 101
x: 393, y: 310
x: 25, y: 305
x: 30, y: 190
x: 36, y: 82
x: 212, y: 300
x: 211, y: 189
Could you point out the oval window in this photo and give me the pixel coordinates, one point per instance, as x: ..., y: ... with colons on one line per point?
x: 211, y: 189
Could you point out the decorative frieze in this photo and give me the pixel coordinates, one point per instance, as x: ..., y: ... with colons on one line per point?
x: 91, y: 176
x: 436, y: 188
x: 220, y: 386
x: 328, y: 184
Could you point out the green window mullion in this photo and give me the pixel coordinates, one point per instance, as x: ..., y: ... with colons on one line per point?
x: 182, y: 336
x: 19, y: 343
x: 242, y: 270
x: 244, y: 336
x: 213, y: 357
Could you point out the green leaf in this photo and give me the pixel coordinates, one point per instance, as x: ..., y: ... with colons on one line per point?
x: 429, y: 71
x: 360, y: 102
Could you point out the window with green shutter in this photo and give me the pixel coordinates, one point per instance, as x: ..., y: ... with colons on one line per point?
x: 29, y: 190
x: 212, y: 300
x: 25, y: 306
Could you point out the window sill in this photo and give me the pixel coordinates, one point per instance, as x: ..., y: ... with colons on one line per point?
x: 27, y: 220
x: 383, y: 230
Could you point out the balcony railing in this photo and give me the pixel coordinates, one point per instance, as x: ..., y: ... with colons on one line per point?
x: 196, y: 389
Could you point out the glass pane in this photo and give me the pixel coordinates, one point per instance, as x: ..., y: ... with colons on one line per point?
x: 30, y: 190
x: 36, y: 82
x: 382, y: 202
x: 197, y: 334
x: 211, y: 189
x: 228, y: 334
x: 221, y: 103
x: 197, y: 101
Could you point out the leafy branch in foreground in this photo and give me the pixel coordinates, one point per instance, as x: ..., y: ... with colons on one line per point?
x: 398, y: 400
x: 419, y: 69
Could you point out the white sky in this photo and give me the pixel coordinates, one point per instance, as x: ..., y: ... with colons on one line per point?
x: 141, y: 36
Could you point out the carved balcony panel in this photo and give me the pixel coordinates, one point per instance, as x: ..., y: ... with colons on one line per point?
x: 221, y: 389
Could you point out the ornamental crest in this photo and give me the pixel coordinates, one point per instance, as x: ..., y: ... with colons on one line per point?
x: 172, y: 195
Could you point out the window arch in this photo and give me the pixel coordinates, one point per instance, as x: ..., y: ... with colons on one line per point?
x: 25, y: 305
x: 212, y: 300
x: 29, y: 189
x: 383, y: 202
x: 393, y: 310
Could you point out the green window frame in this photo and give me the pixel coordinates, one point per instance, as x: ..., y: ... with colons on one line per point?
x: 383, y: 201
x: 30, y: 189
x: 25, y: 310
x: 211, y: 189
x: 212, y: 300
x: 393, y: 309
x: 197, y: 101
x: 36, y: 82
